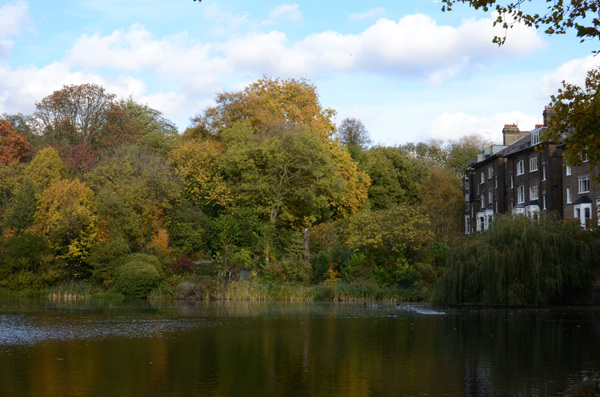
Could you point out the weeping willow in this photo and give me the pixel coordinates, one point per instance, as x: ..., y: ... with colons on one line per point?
x: 518, y: 261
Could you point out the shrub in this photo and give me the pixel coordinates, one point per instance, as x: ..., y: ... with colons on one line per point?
x: 136, y: 274
x: 136, y: 278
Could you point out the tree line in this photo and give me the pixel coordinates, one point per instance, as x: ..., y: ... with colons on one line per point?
x: 262, y: 183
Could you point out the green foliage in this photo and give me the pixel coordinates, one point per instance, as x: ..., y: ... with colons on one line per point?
x: 188, y: 229
x: 393, y: 177
x: 22, y: 207
x: 137, y: 274
x: 519, y: 261
x: 23, y: 252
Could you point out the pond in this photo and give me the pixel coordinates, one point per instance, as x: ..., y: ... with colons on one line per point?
x: 140, y: 348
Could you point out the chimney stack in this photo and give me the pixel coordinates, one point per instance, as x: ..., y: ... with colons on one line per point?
x: 549, y: 112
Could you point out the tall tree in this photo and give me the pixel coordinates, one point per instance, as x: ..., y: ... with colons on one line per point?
x: 154, y: 129
x: 265, y: 102
x: 45, y: 169
x: 83, y: 113
x: 352, y: 132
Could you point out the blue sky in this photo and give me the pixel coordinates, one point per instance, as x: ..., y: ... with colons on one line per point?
x: 407, y: 70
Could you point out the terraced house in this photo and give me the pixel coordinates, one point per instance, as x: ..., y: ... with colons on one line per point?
x: 526, y: 175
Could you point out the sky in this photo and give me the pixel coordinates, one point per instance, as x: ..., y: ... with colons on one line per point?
x: 407, y: 70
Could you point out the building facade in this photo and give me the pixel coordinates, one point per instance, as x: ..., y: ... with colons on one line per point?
x: 527, y: 175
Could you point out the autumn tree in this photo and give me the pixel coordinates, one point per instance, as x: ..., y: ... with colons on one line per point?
x: 285, y: 105
x: 13, y: 147
x: 265, y: 102
x: 577, y: 120
x: 134, y: 187
x: 198, y: 165
x: 45, y: 169
x: 83, y: 113
x: 352, y: 132
x: 66, y: 218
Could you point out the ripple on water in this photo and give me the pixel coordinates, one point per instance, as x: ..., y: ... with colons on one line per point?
x: 28, y: 330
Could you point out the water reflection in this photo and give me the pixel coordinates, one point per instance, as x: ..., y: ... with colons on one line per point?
x: 243, y: 348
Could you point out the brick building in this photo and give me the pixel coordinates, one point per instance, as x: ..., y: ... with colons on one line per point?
x: 527, y: 175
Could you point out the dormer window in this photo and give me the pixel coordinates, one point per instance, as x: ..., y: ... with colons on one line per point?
x: 535, y: 138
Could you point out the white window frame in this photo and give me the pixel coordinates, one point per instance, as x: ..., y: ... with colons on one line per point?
x: 535, y: 138
x: 490, y: 197
x: 584, y: 184
x: 533, y: 164
x: 490, y: 172
x: 520, y: 167
x: 533, y: 192
x: 520, y: 194
x: 512, y: 181
x: 482, y: 200
x: 569, y: 196
x: 482, y: 178
x: 567, y: 170
x: 544, y: 202
x: 544, y: 172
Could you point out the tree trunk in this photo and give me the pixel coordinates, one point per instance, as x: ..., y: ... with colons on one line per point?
x: 306, y: 246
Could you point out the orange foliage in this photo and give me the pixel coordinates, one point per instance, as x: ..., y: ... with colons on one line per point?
x: 13, y: 147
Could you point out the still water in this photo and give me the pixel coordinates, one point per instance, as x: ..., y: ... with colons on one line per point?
x: 294, y: 349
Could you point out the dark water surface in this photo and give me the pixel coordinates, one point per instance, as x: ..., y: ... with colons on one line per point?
x: 304, y: 349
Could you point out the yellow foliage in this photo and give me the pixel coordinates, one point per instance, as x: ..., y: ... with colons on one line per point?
x: 196, y: 163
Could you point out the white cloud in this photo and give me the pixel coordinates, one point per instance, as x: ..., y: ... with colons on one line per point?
x: 371, y: 14
x: 286, y: 12
x: 573, y: 72
x: 137, y: 50
x: 14, y: 20
x: 451, y: 126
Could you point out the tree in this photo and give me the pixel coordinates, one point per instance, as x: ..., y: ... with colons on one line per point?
x: 352, y: 132
x: 393, y: 178
x: 581, y: 15
x: 13, y: 147
x: 459, y: 152
x: 265, y: 102
x: 197, y: 163
x: 444, y: 203
x: 155, y: 130
x: 577, y: 120
x: 45, y: 169
x: 66, y: 219
x: 134, y: 187
x: 287, y: 174
x: 84, y: 113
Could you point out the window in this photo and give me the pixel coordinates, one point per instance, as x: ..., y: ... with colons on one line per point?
x: 533, y: 192
x: 483, y: 200
x: 521, y: 194
x: 496, y: 181
x: 490, y: 172
x: 567, y: 170
x: 543, y: 201
x: 584, y: 184
x: 569, y: 196
x: 512, y: 181
x: 533, y: 164
x: 520, y: 167
x: 490, y: 197
x: 543, y: 172
x: 535, y: 138
x: 584, y: 156
x: 482, y: 177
